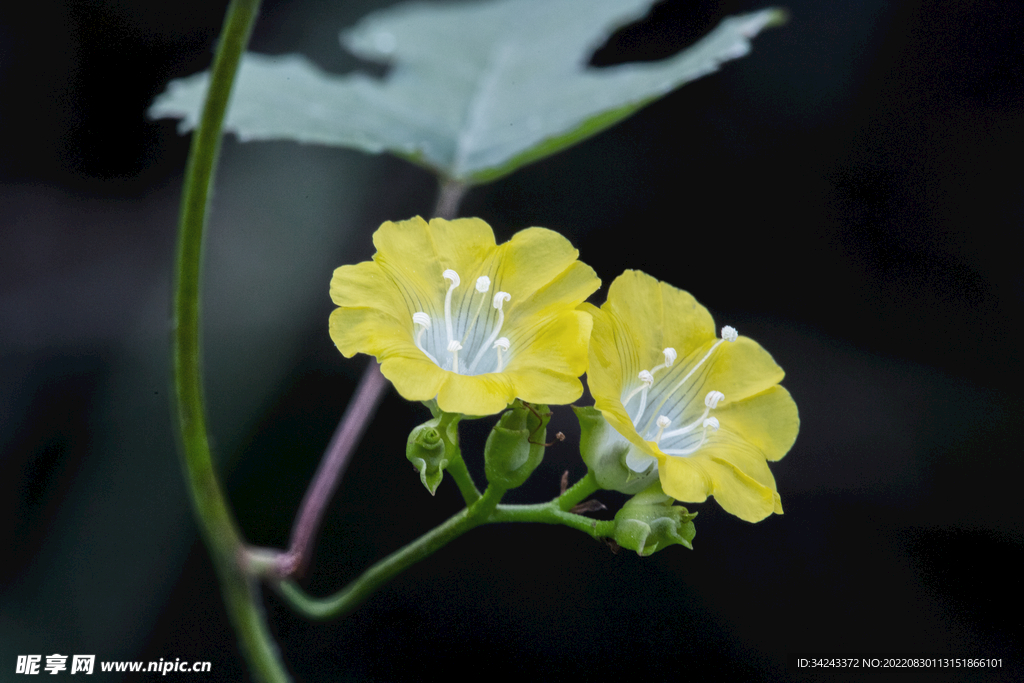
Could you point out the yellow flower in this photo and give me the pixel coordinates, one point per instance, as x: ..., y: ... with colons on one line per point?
x: 451, y: 315
x: 707, y: 412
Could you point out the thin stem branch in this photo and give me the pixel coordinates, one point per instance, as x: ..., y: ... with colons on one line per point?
x: 579, y: 492
x: 549, y: 513
x: 449, y: 198
x: 380, y: 573
x: 458, y: 471
x: 360, y: 410
x: 241, y: 593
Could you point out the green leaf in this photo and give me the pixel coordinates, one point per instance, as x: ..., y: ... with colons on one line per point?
x: 475, y: 90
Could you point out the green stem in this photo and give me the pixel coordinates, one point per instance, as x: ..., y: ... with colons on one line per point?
x: 464, y: 480
x: 241, y: 593
x: 373, y: 578
x: 549, y: 513
x: 578, y: 492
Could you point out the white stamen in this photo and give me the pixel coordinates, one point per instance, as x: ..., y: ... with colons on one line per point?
x: 694, y: 369
x: 454, y: 347
x: 643, y: 402
x: 422, y: 320
x: 500, y: 345
x: 484, y: 282
x: 729, y: 334
x: 709, y: 423
x: 711, y: 401
x: 670, y: 357
x: 662, y: 423
x: 646, y: 380
x: 454, y: 277
x: 499, y: 300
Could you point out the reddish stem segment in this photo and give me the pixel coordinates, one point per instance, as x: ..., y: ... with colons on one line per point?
x: 353, y: 423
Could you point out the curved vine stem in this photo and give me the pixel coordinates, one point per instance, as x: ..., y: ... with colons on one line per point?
x: 241, y: 593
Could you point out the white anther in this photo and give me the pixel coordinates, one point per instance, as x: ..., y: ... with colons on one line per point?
x: 499, y: 300
x: 662, y: 422
x: 711, y: 423
x: 670, y: 356
x: 729, y: 333
x: 712, y: 399
x: 646, y: 377
x: 454, y: 277
x: 454, y: 346
x: 423, y: 320
x: 483, y: 283
x: 500, y: 345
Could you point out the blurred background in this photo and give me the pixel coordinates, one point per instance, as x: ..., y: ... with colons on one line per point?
x: 849, y: 195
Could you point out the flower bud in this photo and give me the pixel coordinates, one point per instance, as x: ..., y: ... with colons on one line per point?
x: 432, y: 445
x: 426, y: 451
x: 649, y: 522
x: 515, y: 445
x: 605, y: 450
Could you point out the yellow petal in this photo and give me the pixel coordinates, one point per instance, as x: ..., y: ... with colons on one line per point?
x: 476, y: 394
x: 407, y: 255
x: 692, y: 481
x: 532, y: 259
x: 416, y: 379
x: 769, y: 421
x: 658, y: 315
x: 365, y: 285
x: 571, y: 286
x: 463, y: 243
x: 536, y: 385
x: 557, y: 343
x: 366, y: 330
x: 740, y: 369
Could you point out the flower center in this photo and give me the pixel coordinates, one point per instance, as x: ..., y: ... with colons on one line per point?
x: 667, y: 396
x: 468, y: 343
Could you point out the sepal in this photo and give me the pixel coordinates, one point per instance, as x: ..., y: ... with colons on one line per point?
x: 604, y: 451
x: 649, y: 522
x: 515, y: 445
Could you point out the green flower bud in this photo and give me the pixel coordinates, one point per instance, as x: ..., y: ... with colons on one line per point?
x: 649, y: 522
x: 515, y: 445
x: 431, y: 446
x: 604, y: 450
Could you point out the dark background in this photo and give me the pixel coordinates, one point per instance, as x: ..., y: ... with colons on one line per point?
x: 849, y: 195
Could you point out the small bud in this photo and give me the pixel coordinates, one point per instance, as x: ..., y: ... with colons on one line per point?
x: 515, y: 445
x: 434, y: 444
x: 605, y: 451
x: 649, y: 522
x: 426, y: 451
